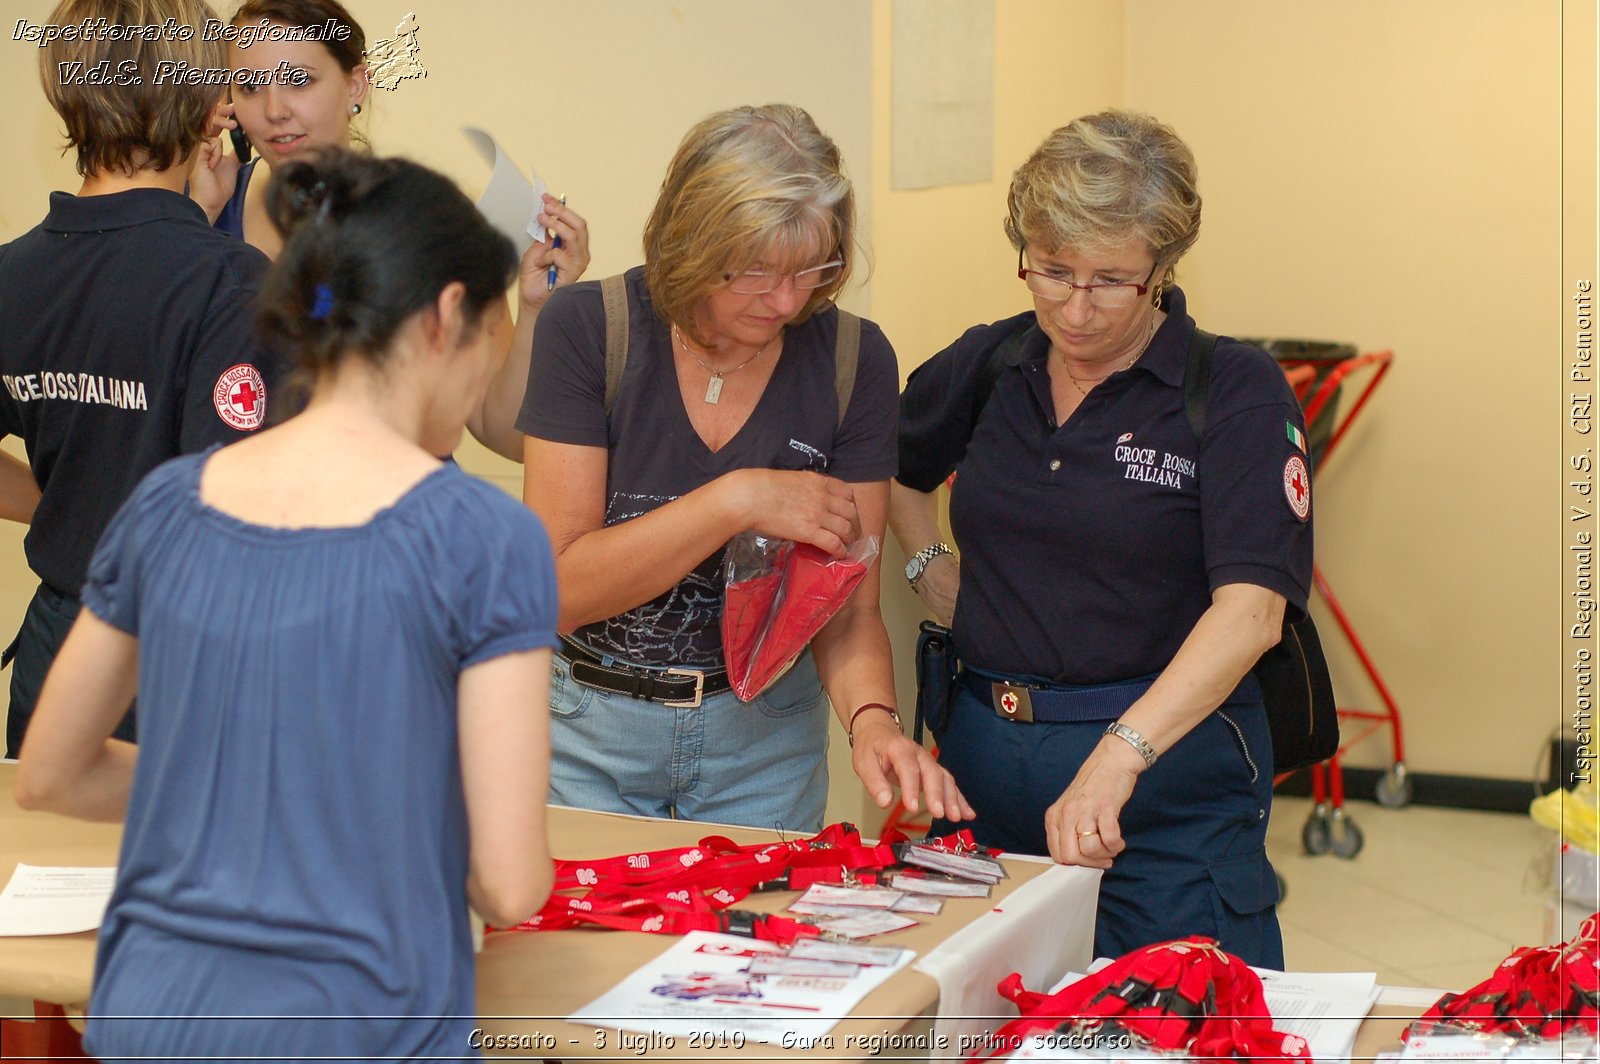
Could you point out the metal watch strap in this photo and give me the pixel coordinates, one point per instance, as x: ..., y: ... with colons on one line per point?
x: 925, y: 556
x: 1135, y: 740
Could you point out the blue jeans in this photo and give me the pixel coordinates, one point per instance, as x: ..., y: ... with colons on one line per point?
x: 1195, y: 827
x: 762, y: 764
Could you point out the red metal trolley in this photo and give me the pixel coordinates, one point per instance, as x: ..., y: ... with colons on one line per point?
x: 1318, y: 373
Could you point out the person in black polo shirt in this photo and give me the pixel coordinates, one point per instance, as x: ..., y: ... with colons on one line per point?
x: 126, y: 316
x: 1118, y: 576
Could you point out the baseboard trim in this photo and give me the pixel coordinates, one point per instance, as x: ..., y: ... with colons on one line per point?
x: 1427, y: 788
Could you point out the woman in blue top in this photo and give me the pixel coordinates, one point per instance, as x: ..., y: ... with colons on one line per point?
x: 298, y: 88
x: 340, y: 648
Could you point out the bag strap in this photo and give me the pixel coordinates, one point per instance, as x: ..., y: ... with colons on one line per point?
x: 1002, y: 358
x: 614, y: 295
x: 1197, y: 381
x: 846, y: 349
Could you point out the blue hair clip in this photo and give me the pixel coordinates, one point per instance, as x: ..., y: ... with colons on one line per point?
x: 324, y: 304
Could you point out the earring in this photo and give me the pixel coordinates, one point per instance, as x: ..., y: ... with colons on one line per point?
x: 355, y: 108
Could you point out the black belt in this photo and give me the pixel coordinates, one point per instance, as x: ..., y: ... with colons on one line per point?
x: 677, y: 688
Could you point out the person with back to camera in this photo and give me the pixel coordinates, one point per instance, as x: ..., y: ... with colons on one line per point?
x: 126, y: 316
x: 1118, y: 577
x: 288, y: 116
x: 726, y: 417
x: 341, y: 648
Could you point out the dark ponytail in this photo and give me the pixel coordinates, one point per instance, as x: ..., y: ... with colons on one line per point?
x: 368, y: 243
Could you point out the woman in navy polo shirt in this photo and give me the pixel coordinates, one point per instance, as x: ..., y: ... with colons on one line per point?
x: 725, y: 418
x: 1118, y: 577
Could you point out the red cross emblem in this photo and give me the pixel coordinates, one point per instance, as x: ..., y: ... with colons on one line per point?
x: 1008, y: 704
x: 1297, y: 486
x: 241, y: 397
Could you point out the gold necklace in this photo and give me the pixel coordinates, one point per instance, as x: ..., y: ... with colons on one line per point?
x: 714, y: 386
x: 1149, y: 335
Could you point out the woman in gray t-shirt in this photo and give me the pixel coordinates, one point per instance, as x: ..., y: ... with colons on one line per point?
x: 725, y: 419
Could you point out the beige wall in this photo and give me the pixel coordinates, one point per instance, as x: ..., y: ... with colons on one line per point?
x: 1380, y: 173
x: 1385, y: 174
x: 1375, y: 173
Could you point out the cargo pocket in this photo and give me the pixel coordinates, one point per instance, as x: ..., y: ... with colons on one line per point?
x: 1246, y: 889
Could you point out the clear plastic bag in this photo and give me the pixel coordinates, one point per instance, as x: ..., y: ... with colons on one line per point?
x: 777, y: 595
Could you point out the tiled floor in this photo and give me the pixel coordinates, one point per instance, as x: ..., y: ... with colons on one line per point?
x: 1435, y: 897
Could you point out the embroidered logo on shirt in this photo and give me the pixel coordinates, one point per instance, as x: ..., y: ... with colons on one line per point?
x: 1141, y: 463
x: 241, y: 397
x: 1297, y: 486
x: 1125, y: 437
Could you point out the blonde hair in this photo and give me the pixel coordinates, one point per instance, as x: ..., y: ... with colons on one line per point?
x: 748, y: 185
x: 154, y: 122
x: 1104, y: 179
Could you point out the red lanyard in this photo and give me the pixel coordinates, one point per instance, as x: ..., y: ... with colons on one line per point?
x: 691, y: 888
x: 1537, y: 991
x: 1185, y: 996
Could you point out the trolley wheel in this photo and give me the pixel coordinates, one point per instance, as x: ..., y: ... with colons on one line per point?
x: 1316, y: 836
x: 1347, y: 839
x: 1394, y: 788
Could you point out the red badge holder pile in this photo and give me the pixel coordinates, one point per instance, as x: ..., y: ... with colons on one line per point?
x: 694, y: 888
x: 1186, y: 996
x: 1539, y: 992
x: 778, y: 595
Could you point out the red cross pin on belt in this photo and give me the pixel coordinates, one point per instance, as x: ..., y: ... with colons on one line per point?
x: 1297, y: 486
x: 1008, y: 703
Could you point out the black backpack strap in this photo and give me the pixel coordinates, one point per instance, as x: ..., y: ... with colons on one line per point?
x: 1008, y: 354
x: 1197, y: 380
x: 846, y: 348
x: 614, y: 296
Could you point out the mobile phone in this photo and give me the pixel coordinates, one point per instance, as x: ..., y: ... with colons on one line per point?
x: 241, y: 145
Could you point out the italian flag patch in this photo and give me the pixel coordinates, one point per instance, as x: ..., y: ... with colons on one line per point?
x: 1296, y: 437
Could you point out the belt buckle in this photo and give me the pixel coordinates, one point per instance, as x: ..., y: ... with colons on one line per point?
x: 1012, y: 702
x: 699, y: 689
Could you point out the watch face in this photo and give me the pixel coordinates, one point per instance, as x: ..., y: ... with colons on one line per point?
x: 912, y: 568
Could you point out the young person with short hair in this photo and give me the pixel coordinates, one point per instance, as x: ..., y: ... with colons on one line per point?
x: 126, y: 316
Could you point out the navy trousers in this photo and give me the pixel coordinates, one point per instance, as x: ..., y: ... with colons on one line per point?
x: 1196, y: 860
x: 44, y: 628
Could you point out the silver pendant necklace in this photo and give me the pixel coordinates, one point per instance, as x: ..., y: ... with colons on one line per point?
x: 714, y: 386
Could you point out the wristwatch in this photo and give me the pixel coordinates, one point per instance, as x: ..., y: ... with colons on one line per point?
x: 918, y: 563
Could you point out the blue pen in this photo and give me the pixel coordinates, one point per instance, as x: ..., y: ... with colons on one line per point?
x: 553, y: 245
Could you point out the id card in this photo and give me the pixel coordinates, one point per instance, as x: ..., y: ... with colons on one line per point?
x: 943, y: 886
x: 823, y: 950
x: 866, y: 898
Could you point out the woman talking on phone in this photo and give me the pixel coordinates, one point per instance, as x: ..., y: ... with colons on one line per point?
x: 294, y: 97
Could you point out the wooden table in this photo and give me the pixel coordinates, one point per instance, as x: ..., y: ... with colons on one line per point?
x: 527, y: 982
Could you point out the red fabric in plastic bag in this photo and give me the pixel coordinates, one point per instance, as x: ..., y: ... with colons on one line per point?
x: 778, y: 595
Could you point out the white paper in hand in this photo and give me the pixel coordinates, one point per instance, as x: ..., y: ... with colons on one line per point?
x: 510, y: 201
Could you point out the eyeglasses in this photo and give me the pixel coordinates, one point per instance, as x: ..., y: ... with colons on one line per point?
x: 1110, y: 296
x: 760, y: 282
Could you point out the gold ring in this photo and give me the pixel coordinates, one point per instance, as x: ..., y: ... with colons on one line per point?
x: 1086, y: 834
